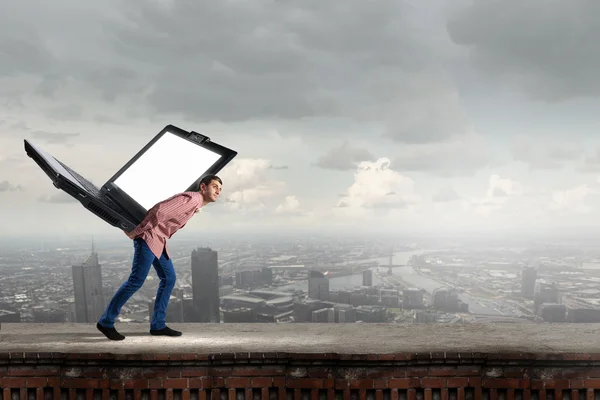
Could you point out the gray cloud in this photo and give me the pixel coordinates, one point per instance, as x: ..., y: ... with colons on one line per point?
x: 445, y: 194
x: 58, y: 198
x: 457, y: 158
x: 53, y: 137
x: 546, y: 48
x: 343, y: 158
x: 499, y: 192
x: 590, y: 163
x: 6, y: 186
x: 222, y: 61
x: 546, y: 154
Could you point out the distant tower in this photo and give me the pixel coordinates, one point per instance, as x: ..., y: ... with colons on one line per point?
x: 367, y: 277
x: 391, y: 260
x: 528, y: 278
x: 205, y: 285
x: 87, y: 288
x: 318, y: 286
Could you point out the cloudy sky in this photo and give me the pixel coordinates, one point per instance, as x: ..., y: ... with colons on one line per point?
x: 389, y: 115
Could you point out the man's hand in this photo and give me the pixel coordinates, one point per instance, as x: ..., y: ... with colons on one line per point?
x: 129, y: 234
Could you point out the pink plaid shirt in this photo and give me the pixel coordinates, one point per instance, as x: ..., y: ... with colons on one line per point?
x: 166, y: 218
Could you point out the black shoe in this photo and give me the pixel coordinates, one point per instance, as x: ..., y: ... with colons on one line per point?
x: 110, y: 333
x: 166, y: 331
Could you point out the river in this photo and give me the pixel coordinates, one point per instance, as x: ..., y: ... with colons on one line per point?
x: 409, y: 275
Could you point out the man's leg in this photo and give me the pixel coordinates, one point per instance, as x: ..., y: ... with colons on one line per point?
x: 166, y: 273
x: 142, y: 259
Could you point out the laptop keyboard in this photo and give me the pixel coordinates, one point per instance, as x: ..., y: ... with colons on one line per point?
x: 91, y: 188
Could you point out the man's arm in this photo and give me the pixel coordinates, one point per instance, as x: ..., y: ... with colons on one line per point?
x: 173, y: 207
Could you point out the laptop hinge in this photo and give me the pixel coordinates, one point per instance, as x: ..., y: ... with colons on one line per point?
x: 198, y: 137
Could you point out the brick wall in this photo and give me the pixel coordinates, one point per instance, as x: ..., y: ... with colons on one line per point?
x: 413, y: 376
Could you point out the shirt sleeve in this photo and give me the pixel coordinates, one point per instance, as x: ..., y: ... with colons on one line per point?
x: 171, y: 208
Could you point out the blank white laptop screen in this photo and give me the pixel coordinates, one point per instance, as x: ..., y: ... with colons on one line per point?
x: 168, y: 167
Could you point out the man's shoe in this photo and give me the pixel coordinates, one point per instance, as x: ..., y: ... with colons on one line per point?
x: 110, y: 333
x: 166, y: 331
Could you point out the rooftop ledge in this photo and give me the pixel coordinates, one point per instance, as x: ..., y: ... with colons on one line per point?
x: 310, y: 338
x: 505, y: 361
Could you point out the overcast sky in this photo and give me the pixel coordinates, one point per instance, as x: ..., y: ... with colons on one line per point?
x: 347, y: 115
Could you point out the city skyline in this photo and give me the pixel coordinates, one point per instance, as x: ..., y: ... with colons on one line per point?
x: 408, y: 116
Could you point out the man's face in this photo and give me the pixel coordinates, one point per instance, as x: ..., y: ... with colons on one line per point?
x: 211, y: 191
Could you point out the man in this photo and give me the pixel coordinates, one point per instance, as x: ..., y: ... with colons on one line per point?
x: 150, y: 248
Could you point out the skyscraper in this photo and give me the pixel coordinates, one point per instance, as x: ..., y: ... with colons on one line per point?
x: 205, y: 285
x: 87, y: 288
x: 528, y: 278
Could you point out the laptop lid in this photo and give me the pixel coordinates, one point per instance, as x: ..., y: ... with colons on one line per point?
x: 51, y: 166
x: 174, y: 161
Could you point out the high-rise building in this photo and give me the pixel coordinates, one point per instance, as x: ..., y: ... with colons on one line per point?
x: 87, y: 288
x: 528, y: 277
x: 205, y: 285
x: 368, y: 277
x: 318, y: 286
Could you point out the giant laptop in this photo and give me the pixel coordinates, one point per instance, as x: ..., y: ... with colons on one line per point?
x: 174, y: 161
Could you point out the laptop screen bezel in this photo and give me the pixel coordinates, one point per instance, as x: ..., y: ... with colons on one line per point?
x: 137, y: 210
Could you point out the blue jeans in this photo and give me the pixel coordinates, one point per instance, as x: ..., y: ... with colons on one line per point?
x: 142, y: 259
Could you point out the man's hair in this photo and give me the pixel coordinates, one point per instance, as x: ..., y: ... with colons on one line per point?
x: 208, y: 179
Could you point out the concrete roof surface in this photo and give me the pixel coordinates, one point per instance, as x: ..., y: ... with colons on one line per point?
x: 306, y: 338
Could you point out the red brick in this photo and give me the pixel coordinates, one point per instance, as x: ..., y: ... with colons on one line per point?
x: 502, y: 383
x: 403, y: 356
x: 417, y: 372
x: 33, y: 371
x: 13, y: 382
x: 187, y: 372
x: 199, y: 383
x: 115, y: 384
x: 340, y: 384
x: 182, y: 356
x: 305, y: 383
x: 433, y: 382
x: 54, y: 382
x: 403, y: 383
x: 279, y: 382
x: 374, y: 373
x: 173, y: 372
x: 155, y: 384
x: 237, y: 382
x: 79, y: 383
x: 443, y: 371
x: 457, y: 382
x: 380, y: 383
x: 92, y: 372
x: 154, y: 372
x: 175, y: 383
x: 37, y: 382
x: 592, y: 383
x: 261, y: 382
x: 135, y: 384
x: 475, y: 381
x: 222, y: 371
x: 576, y: 384
x: 259, y: 371
x: 515, y: 372
x: 360, y: 384
x: 319, y: 372
x: 556, y: 383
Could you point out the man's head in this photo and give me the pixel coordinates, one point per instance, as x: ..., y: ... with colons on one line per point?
x: 210, y: 188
